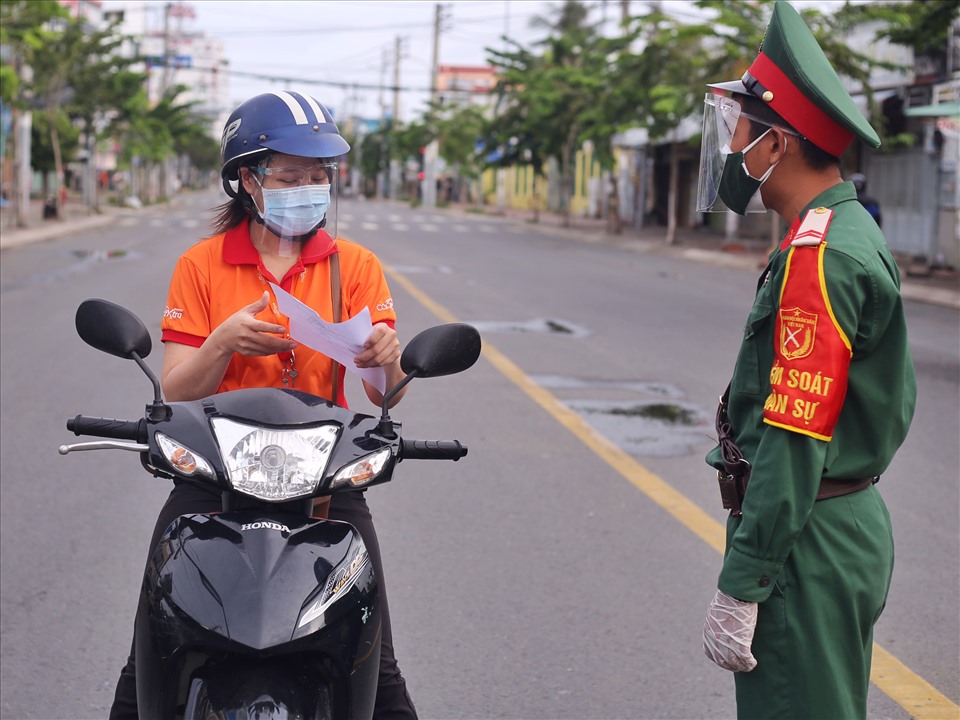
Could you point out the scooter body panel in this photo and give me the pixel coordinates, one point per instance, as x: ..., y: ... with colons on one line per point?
x: 231, y: 586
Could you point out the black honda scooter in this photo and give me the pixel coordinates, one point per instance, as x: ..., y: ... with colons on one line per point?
x: 261, y: 611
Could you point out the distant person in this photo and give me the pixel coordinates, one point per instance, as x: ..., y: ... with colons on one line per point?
x: 859, y: 181
x: 822, y: 393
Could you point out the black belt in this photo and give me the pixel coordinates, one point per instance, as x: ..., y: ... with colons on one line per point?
x: 734, y: 487
x: 835, y: 488
x: 736, y: 474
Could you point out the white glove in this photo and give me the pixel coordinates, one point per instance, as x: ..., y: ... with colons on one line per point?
x: 728, y: 633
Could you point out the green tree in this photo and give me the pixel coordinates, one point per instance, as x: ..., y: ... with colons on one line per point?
x: 42, y: 155
x: 669, y: 73
x: 546, y: 97
x: 737, y: 32
x: 459, y: 133
x: 72, y: 58
x: 155, y: 133
x: 516, y: 136
x: 23, y: 30
x: 922, y: 26
x: 99, y: 86
x: 373, y: 158
x: 554, y: 101
x: 457, y: 128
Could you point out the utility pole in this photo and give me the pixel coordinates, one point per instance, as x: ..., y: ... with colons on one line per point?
x: 22, y: 125
x: 395, y: 171
x: 398, y: 49
x: 383, y: 82
x: 434, y: 70
x: 165, y: 75
x: 432, y: 151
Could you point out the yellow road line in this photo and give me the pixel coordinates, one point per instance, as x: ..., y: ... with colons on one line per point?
x: 896, y: 680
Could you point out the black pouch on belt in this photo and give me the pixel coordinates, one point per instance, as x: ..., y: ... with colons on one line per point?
x: 733, y: 479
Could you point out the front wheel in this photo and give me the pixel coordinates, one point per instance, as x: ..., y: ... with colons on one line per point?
x: 256, y: 693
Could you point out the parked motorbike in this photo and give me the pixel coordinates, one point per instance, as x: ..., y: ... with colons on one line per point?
x: 261, y: 611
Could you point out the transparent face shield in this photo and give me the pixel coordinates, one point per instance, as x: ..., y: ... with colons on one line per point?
x: 296, y: 201
x: 720, y: 117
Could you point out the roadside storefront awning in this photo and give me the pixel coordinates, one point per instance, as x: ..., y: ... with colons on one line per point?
x: 950, y: 109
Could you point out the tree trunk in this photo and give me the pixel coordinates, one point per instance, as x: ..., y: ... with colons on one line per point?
x: 536, y: 199
x: 672, y: 196
x: 96, y: 177
x: 614, y: 223
x: 55, y: 145
x: 565, y: 184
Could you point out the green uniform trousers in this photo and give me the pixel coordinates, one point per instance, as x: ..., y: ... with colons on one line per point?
x: 814, y: 635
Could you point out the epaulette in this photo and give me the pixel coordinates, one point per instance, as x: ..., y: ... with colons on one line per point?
x: 813, y: 229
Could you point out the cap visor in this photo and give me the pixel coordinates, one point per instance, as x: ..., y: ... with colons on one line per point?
x: 734, y: 86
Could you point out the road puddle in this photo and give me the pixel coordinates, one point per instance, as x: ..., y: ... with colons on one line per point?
x: 662, y: 412
x: 653, y: 429
x: 543, y: 326
x: 643, y: 418
x: 99, y: 255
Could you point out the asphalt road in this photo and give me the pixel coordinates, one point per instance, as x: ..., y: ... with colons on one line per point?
x: 538, y: 577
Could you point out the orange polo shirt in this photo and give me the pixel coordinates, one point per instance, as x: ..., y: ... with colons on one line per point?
x: 220, y: 275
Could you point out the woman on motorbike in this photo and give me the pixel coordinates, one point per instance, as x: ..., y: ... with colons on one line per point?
x: 222, y: 329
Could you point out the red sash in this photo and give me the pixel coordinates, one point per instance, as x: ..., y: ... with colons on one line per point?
x: 812, y: 354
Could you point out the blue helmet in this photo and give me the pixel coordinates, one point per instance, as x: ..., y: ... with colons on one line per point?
x: 285, y: 122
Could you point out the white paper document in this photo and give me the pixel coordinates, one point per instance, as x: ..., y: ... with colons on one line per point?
x: 339, y: 341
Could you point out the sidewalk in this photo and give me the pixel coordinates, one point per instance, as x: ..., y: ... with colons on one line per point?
x: 74, y: 217
x: 936, y: 287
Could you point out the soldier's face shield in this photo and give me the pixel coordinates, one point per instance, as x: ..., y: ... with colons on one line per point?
x: 721, y: 116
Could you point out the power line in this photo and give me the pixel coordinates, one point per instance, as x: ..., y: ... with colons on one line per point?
x: 354, y: 28
x: 312, y: 81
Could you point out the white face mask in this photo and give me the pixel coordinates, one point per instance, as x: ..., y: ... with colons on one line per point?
x: 294, y: 212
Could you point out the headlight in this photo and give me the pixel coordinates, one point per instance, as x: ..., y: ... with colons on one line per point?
x: 340, y: 580
x: 184, y: 460
x: 363, y: 471
x: 272, y: 464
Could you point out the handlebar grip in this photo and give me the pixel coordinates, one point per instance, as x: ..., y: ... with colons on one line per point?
x: 433, y: 450
x: 105, y: 427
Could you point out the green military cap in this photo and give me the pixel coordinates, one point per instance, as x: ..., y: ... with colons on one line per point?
x: 793, y: 76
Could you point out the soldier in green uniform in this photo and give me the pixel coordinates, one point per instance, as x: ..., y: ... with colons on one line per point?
x: 822, y: 395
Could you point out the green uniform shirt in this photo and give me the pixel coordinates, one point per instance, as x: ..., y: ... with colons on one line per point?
x: 863, y: 284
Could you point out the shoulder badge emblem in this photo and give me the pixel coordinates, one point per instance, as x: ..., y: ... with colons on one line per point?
x: 798, y: 331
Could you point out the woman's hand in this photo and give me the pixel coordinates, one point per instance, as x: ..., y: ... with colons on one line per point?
x: 192, y: 372
x: 243, y: 333
x: 382, y: 348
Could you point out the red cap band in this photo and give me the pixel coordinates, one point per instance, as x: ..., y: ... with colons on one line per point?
x: 798, y: 110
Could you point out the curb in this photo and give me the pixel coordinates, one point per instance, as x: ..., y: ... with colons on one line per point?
x: 931, y: 296
x: 58, y: 228
x: 909, y: 290
x: 914, y: 291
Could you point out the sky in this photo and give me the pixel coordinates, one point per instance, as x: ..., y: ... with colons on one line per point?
x: 322, y: 47
x: 335, y: 42
x: 330, y: 43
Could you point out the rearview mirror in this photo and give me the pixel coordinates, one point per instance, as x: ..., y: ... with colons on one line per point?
x: 441, y: 350
x: 112, y: 329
